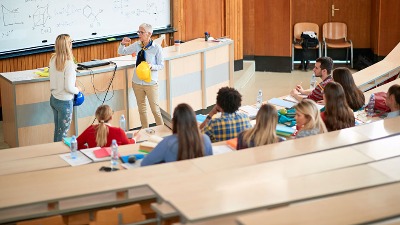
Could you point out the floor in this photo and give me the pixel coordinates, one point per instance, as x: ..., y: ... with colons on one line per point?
x: 248, y: 82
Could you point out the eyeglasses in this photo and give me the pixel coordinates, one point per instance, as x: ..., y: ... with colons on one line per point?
x: 107, y: 169
x: 141, y: 32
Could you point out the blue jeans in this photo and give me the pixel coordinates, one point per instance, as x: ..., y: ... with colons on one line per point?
x: 62, y: 111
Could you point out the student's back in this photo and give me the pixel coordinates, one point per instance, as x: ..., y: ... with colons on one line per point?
x: 102, y: 134
x: 354, y: 96
x: 186, y: 142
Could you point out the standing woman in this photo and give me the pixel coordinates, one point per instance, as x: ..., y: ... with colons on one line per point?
x: 337, y: 115
x: 264, y: 132
x: 150, y: 52
x: 354, y: 96
x: 62, y: 85
x: 308, y: 119
x: 186, y: 142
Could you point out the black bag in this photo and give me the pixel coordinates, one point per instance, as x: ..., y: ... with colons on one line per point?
x: 308, y: 42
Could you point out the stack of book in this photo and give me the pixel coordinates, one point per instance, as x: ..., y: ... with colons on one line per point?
x: 284, y: 131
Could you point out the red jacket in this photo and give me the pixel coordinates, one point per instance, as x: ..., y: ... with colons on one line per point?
x: 89, y: 137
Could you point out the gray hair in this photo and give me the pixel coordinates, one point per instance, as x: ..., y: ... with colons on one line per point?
x: 147, y: 27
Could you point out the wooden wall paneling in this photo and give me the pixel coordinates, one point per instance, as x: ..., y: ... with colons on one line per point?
x: 374, y: 35
x: 249, y: 27
x: 389, y: 31
x: 313, y: 11
x: 272, y: 28
x: 234, y: 25
x: 201, y: 16
x: 357, y: 15
x: 178, y: 15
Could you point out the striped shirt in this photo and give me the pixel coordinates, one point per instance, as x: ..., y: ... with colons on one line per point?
x: 228, y: 126
x: 317, y: 93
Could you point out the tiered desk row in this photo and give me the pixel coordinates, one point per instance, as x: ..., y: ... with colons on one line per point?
x: 308, y: 180
x: 200, y: 189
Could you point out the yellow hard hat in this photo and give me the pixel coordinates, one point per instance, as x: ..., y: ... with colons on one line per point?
x: 143, y: 71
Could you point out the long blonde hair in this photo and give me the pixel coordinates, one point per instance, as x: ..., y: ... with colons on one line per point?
x: 310, y: 110
x: 103, y: 115
x: 63, y: 51
x: 264, y: 132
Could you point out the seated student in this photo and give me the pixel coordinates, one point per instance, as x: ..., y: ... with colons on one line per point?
x: 308, y: 119
x: 337, y: 115
x: 322, y: 69
x: 101, y: 135
x: 186, y: 142
x: 354, y: 96
x: 264, y: 132
x: 231, y: 122
x: 393, y: 101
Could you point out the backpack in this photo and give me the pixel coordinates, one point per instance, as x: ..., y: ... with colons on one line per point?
x: 309, y: 40
x: 380, y: 102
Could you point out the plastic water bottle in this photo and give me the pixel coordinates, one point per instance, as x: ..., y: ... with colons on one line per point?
x: 74, y: 147
x: 122, y: 123
x: 313, y: 81
x: 114, y: 154
x: 371, y: 105
x: 259, y: 99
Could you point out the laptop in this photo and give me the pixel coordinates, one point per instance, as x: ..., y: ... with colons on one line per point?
x: 94, y: 63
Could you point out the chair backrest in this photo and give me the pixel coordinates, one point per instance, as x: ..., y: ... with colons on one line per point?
x: 52, y: 220
x: 129, y: 214
x: 334, y: 31
x: 301, y: 27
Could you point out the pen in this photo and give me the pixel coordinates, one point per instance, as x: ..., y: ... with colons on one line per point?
x: 299, y: 85
x: 138, y: 131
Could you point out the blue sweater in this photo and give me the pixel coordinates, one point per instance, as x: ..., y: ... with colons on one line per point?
x: 167, y: 150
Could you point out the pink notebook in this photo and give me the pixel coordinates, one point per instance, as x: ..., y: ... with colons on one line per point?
x: 103, y: 152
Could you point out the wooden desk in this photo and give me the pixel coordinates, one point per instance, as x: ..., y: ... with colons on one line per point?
x: 46, y: 156
x: 379, y: 72
x: 375, y: 74
x: 50, y: 192
x: 27, y: 116
x: 240, y: 192
x: 379, y: 129
x: 11, y: 154
x: 60, y: 148
x: 356, y: 207
x: 280, y: 150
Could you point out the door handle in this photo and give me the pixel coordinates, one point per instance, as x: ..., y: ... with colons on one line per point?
x: 333, y: 10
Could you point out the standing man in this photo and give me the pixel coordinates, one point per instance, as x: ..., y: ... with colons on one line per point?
x: 150, y: 52
x: 323, y: 68
x: 231, y: 122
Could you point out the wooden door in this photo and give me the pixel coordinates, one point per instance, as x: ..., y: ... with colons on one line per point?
x: 357, y: 15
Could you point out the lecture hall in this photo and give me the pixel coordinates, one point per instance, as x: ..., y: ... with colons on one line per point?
x: 232, y: 112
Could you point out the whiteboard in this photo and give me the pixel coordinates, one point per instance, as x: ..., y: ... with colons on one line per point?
x: 26, y: 24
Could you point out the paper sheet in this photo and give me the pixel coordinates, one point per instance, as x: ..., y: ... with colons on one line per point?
x: 250, y: 110
x: 81, y: 159
x: 281, y: 102
x: 221, y: 149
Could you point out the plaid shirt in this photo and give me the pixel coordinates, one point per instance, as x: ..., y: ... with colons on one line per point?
x: 228, y: 126
x: 317, y: 93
